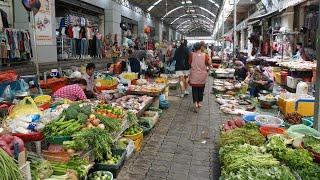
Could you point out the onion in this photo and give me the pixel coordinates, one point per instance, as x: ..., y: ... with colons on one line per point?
x: 71, y: 151
x: 89, y: 125
x: 95, y: 122
x: 101, y: 126
x: 92, y: 117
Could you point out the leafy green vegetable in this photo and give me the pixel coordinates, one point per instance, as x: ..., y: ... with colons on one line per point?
x: 97, y: 139
x: 313, y: 143
x: 86, y: 110
x: 249, y: 134
x: 299, y: 160
x: 62, y: 127
x: 251, y: 162
x: 40, y: 168
x: 82, y: 118
x: 9, y: 169
x: 112, y: 125
x: 79, y: 165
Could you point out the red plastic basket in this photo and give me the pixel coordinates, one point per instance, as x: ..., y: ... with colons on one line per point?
x: 267, y: 130
x: 35, y: 136
x: 103, y: 88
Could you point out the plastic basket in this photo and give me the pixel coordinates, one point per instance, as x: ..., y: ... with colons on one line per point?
x: 107, y: 172
x: 137, y: 139
x: 114, y: 169
x: 249, y: 118
x: 35, y: 136
x: 267, y: 130
x: 307, y: 122
x: 266, y: 120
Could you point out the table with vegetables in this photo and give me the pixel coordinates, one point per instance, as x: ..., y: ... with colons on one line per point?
x: 78, y: 140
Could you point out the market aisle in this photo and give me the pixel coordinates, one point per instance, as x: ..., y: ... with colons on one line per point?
x: 181, y: 146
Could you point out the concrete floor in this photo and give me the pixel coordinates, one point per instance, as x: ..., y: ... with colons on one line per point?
x: 182, y: 146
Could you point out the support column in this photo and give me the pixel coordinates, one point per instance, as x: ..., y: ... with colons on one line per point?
x: 112, y: 21
x: 316, y: 124
x: 243, y: 38
x: 250, y: 46
x: 159, y: 31
x: 170, y: 35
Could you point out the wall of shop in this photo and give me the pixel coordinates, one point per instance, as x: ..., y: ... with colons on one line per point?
x: 113, y: 13
x: 47, y: 52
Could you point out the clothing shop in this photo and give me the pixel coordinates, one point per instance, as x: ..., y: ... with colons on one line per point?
x: 80, y: 29
x: 15, y: 44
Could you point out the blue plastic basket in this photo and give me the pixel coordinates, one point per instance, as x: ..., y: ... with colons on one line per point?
x: 249, y: 118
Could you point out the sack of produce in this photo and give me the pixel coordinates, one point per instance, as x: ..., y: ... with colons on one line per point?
x: 301, y: 130
x: 25, y: 107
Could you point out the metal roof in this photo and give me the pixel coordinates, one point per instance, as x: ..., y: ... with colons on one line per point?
x: 189, y: 17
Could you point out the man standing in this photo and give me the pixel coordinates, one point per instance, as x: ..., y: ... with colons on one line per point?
x: 88, y: 76
x: 182, y: 66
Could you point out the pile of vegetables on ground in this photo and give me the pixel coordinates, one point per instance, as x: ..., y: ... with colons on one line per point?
x: 249, y: 134
x: 246, y: 154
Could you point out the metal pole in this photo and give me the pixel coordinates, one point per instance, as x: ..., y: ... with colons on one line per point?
x: 222, y: 36
x: 35, y: 44
x: 316, y: 124
x: 234, y: 27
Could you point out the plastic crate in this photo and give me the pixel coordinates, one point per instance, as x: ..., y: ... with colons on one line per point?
x: 292, y: 82
x: 302, y: 104
x: 277, y: 77
x: 114, y: 169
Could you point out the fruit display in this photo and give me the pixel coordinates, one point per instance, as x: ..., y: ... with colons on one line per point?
x: 133, y: 130
x: 161, y: 80
x: 133, y: 103
x: 106, y: 82
x: 100, y: 175
x: 129, y: 76
x: 110, y: 111
x: 113, y: 160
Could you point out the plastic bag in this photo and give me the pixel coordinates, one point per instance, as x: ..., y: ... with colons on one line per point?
x: 301, y: 130
x: 23, y: 85
x: 25, y: 107
x: 7, y: 94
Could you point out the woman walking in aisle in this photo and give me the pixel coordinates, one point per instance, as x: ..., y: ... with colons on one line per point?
x: 198, y: 75
x: 182, y: 66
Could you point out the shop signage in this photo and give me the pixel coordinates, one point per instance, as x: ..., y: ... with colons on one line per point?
x: 43, y: 23
x: 283, y: 4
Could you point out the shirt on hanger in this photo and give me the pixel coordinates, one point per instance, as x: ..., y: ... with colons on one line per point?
x: 75, y: 31
x: 89, y: 33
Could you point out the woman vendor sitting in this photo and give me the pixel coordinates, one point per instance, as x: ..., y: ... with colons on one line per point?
x: 259, y: 81
x: 73, y: 92
x: 241, y: 72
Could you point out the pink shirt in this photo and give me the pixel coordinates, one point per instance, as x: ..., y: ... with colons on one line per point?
x: 71, y: 92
